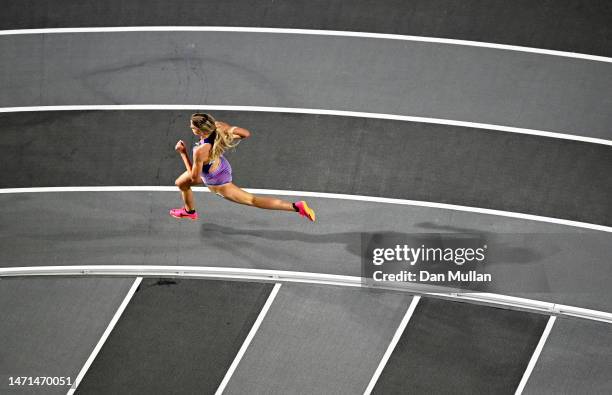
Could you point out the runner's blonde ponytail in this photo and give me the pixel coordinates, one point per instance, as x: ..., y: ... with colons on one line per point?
x: 224, y: 139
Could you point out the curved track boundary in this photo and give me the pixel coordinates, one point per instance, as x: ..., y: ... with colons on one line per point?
x: 361, y: 198
x: 496, y: 300
x: 311, y: 111
x: 312, y: 32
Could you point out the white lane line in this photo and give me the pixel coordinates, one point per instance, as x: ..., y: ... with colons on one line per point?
x: 311, y: 111
x: 489, y: 299
x: 394, y: 341
x: 536, y: 355
x: 310, y: 32
x: 249, y: 338
x: 359, y: 198
x: 105, y: 335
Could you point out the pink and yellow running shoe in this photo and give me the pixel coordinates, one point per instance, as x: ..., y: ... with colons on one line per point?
x: 182, y: 213
x: 305, y: 211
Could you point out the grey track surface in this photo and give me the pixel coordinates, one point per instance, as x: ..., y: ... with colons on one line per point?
x: 453, y: 348
x: 340, y: 73
x: 319, y: 340
x: 176, y: 336
x: 530, y: 259
x: 471, y: 167
x: 575, y: 360
x: 50, y: 326
x: 570, y: 25
x: 517, y: 173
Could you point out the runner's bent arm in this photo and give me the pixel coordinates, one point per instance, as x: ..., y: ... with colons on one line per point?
x: 238, y: 132
x: 180, y: 148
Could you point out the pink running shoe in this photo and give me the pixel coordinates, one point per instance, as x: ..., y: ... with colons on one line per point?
x: 305, y: 211
x: 182, y: 213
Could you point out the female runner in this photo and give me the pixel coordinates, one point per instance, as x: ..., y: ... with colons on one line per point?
x: 211, y: 168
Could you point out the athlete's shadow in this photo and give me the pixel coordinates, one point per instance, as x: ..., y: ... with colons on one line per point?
x: 500, y: 252
x: 352, y: 241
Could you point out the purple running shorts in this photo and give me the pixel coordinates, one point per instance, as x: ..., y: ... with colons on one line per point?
x: 221, y: 175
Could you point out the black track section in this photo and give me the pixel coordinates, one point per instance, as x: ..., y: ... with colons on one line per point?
x: 568, y: 25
